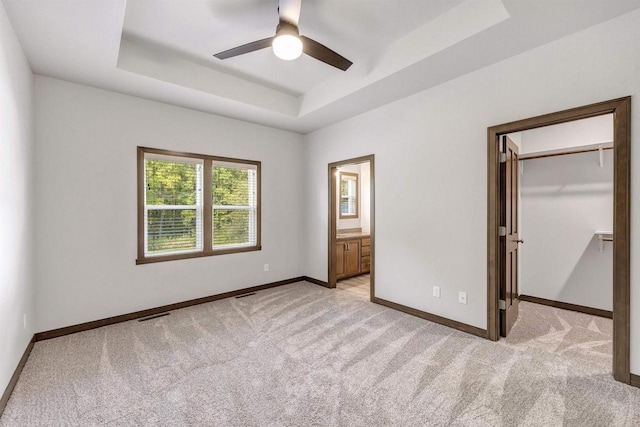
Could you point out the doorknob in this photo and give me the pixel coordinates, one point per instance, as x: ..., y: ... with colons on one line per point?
x: 520, y: 241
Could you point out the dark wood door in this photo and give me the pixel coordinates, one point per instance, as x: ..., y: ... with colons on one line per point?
x: 509, y: 189
x: 339, y: 262
x: 352, y: 257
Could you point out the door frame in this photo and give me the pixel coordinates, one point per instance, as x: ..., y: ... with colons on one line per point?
x: 333, y: 211
x: 621, y: 110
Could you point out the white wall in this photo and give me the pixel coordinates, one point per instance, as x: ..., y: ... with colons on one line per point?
x: 591, y: 131
x: 439, y: 138
x: 16, y: 207
x: 365, y: 196
x: 86, y: 203
x: 564, y: 200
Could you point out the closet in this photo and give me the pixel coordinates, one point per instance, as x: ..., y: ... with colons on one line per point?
x: 566, y: 213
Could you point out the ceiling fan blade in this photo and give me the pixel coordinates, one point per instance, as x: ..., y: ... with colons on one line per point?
x: 245, y: 48
x: 324, y: 54
x: 289, y: 11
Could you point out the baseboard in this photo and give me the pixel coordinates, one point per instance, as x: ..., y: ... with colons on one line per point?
x: 151, y: 311
x: 635, y: 380
x: 315, y: 281
x: 568, y: 306
x: 433, y: 318
x: 15, y: 376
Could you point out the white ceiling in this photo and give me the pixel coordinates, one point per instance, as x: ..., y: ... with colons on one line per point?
x: 349, y: 27
x: 162, y: 49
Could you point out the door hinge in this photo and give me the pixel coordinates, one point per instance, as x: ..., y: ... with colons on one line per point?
x: 503, y: 157
x: 502, y: 304
x: 502, y: 231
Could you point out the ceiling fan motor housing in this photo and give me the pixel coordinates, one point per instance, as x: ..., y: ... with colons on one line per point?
x: 287, y: 28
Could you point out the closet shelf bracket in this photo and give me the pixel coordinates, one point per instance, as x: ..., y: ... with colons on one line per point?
x: 604, y: 236
x: 601, y: 152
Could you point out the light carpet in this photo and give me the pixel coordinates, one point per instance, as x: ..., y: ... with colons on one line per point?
x: 302, y: 355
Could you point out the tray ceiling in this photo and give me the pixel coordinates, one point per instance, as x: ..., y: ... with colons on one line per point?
x: 163, y: 50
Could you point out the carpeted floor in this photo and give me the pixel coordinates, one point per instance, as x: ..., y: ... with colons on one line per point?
x: 301, y: 355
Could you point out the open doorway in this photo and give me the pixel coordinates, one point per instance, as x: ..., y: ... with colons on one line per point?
x: 560, y: 233
x: 351, y: 226
x: 504, y: 232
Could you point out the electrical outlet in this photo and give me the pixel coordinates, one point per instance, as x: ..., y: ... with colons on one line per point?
x: 24, y: 320
x: 436, y: 291
x: 462, y: 297
x: 266, y: 267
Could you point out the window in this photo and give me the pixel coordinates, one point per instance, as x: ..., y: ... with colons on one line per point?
x: 192, y: 205
x: 235, y: 206
x: 348, y: 195
x: 172, y: 204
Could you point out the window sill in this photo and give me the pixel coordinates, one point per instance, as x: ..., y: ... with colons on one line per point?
x: 175, y: 257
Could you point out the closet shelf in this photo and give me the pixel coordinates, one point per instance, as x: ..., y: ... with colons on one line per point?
x: 572, y: 150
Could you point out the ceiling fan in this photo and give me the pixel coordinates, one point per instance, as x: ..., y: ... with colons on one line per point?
x: 288, y: 44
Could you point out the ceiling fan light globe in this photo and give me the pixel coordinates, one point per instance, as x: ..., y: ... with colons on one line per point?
x: 287, y: 47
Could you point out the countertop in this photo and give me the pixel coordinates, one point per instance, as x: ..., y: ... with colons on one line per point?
x: 348, y: 236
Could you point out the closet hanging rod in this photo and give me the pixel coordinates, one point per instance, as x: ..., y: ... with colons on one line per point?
x: 578, y: 150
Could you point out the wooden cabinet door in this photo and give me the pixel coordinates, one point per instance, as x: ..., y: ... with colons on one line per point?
x: 365, y: 249
x: 366, y: 264
x: 340, y: 253
x: 352, y: 257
